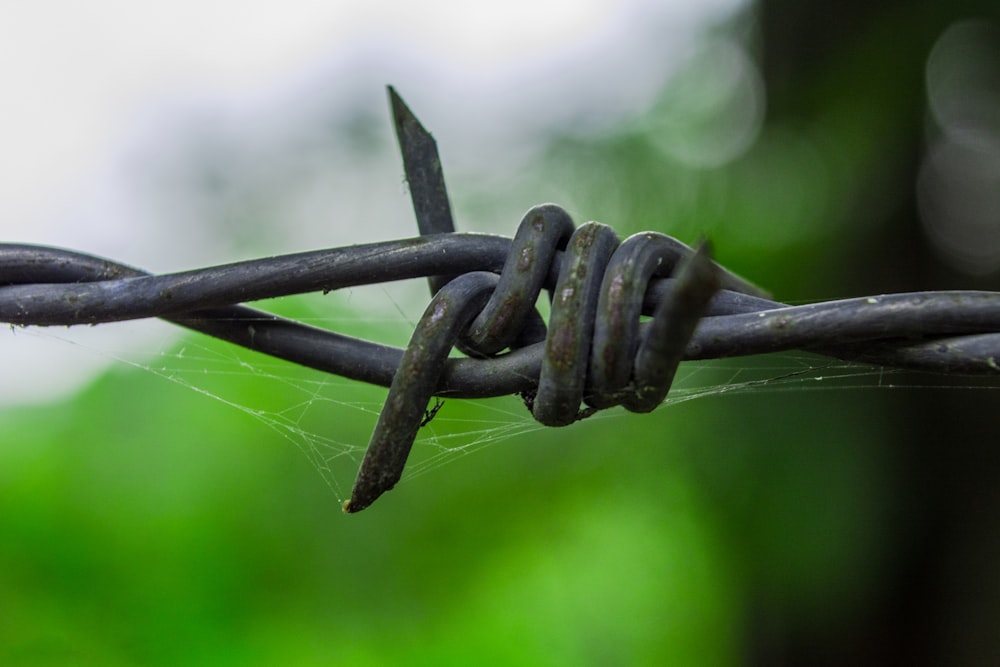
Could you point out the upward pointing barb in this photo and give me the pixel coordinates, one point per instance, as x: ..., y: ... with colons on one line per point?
x: 422, y: 166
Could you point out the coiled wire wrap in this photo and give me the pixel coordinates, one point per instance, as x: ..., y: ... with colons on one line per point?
x: 595, y: 352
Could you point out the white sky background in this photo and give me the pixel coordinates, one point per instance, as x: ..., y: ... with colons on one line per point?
x: 95, y: 94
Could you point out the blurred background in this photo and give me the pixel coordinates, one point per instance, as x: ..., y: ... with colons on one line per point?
x: 827, y: 149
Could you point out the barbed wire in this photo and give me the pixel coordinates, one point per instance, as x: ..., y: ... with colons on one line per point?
x: 595, y: 351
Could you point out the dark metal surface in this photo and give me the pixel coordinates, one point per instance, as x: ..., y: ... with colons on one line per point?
x: 594, y: 352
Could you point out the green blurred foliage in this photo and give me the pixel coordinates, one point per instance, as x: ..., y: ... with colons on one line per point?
x: 145, y: 523
x: 149, y: 525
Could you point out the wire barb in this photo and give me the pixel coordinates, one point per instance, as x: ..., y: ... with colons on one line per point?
x: 594, y: 353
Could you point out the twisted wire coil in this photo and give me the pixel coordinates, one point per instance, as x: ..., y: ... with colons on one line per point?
x: 595, y: 350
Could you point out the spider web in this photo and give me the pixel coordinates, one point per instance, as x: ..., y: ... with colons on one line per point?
x: 329, y: 418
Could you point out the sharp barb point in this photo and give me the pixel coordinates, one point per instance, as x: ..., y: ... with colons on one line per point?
x: 422, y: 165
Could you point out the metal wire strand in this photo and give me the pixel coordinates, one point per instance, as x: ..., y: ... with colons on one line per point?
x: 594, y: 353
